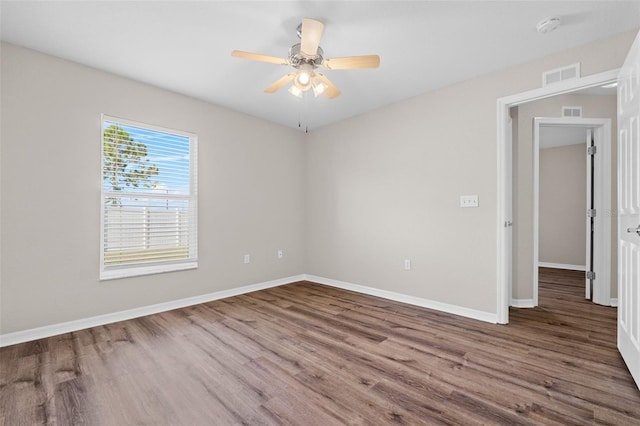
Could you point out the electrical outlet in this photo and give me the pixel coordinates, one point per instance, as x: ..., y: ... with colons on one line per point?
x: 469, y: 200
x: 407, y: 264
x: 247, y: 258
x: 280, y: 254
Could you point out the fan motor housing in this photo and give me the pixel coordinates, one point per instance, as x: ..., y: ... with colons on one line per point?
x: 297, y: 58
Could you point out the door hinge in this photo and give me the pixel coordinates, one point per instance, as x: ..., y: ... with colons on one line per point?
x: 592, y: 150
x: 591, y: 212
x: 591, y: 275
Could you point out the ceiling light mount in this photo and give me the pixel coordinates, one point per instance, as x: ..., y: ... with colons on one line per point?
x: 297, y: 58
x: 548, y: 24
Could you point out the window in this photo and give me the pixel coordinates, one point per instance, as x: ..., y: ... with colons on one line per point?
x: 149, y: 212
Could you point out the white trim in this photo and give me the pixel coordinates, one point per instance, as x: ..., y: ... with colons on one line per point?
x: 503, y: 105
x: 602, y: 195
x: 523, y: 303
x: 66, y: 327
x: 115, y: 274
x: 153, y: 267
x: 614, y: 302
x: 81, y: 324
x: 155, y: 128
x: 536, y: 206
x: 562, y: 266
x: 563, y: 87
x: 505, y: 215
x: 403, y: 298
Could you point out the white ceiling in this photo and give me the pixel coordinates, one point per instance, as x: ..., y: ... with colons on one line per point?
x: 186, y: 46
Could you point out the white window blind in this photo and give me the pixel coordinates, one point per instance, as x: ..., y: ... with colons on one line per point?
x: 149, y: 211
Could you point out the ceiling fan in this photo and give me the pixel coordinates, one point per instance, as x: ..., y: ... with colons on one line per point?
x: 306, y: 57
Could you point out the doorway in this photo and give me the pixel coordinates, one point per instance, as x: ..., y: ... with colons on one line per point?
x: 504, y: 218
x: 594, y: 136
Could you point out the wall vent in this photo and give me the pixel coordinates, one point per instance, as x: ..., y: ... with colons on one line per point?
x: 571, y: 111
x: 561, y: 74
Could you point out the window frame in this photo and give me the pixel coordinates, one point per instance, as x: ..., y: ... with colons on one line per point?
x: 154, y: 267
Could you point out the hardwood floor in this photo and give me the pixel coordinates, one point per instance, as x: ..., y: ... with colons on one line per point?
x: 307, y: 354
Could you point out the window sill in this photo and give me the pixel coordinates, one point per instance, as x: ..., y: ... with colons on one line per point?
x: 115, y: 274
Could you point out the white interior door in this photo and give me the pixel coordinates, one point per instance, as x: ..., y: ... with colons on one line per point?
x: 629, y: 211
x: 589, y: 220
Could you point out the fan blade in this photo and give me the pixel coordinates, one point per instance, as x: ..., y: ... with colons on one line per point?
x: 311, y: 34
x: 259, y: 57
x: 350, y: 62
x: 331, y: 91
x: 278, y: 84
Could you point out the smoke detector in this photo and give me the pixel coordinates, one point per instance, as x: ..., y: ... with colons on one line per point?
x: 548, y: 24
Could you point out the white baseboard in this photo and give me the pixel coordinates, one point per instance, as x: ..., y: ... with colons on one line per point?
x: 528, y: 303
x: 411, y: 300
x: 562, y: 266
x: 66, y: 327
x: 522, y: 303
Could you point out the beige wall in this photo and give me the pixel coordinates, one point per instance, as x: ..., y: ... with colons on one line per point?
x: 563, y: 200
x: 385, y: 186
x: 349, y: 202
x: 592, y: 107
x: 251, y: 193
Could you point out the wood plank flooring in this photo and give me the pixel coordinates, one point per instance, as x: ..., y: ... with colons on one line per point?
x: 306, y: 354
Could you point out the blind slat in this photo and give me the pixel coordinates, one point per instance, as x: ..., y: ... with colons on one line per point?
x: 148, y: 195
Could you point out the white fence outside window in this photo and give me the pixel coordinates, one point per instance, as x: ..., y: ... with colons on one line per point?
x: 144, y: 229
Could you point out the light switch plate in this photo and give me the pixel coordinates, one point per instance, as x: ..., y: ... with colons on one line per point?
x: 469, y: 200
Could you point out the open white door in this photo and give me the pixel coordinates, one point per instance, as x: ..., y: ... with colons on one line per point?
x: 629, y: 211
x: 589, y: 218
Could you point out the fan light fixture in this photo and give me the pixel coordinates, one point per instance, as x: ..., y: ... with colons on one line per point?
x: 305, y: 57
x: 295, y: 91
x: 303, y: 79
x: 318, y: 87
x: 306, y: 79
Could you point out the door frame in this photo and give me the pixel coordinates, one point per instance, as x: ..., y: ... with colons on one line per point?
x: 504, y: 216
x: 602, y: 199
